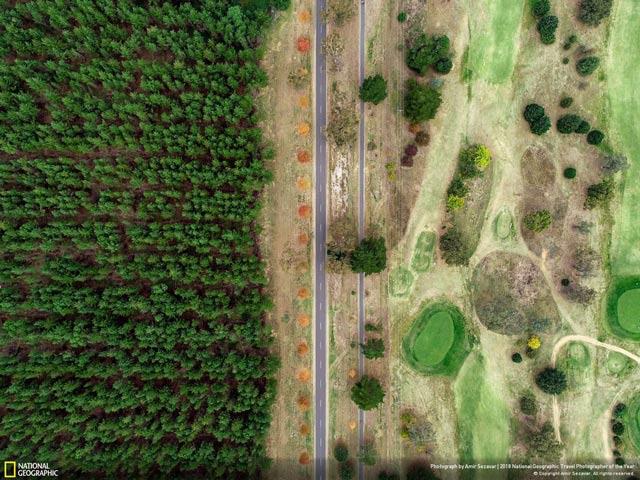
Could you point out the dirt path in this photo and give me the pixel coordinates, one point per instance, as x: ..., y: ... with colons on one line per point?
x: 591, y: 341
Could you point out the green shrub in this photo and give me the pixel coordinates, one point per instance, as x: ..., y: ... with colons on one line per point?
x: 599, y: 194
x: 617, y: 428
x: 595, y: 137
x: 373, y: 348
x: 538, y: 221
x: 568, y: 123
x: 422, y: 138
x: 454, y: 202
x: 346, y: 471
x: 457, y: 187
x: 528, y: 404
x: 402, y: 17
x: 619, y: 409
x: 533, y: 112
x: 565, y: 61
x: 421, y: 102
x: 473, y: 160
x: 367, y: 393
x: 569, y: 172
x: 540, y: 8
x: 583, y: 127
x: 426, y: 51
x: 592, y: 12
x: 373, y: 89
x: 541, y: 125
x: 443, y: 65
x: 384, y: 475
x: 341, y: 452
x: 516, y: 358
x: 370, y: 256
x: 547, y: 26
x: 587, y: 65
x: 454, y: 251
x: 566, y: 102
x: 552, y: 381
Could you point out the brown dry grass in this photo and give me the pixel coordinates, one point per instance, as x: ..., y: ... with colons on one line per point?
x: 303, y: 320
x: 304, y: 458
x: 303, y: 403
x: 303, y: 184
x: 303, y: 238
x: 303, y: 348
x: 304, y: 429
x: 304, y: 375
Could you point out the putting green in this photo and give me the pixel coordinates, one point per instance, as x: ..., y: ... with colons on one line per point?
x: 617, y: 363
x: 423, y: 254
x: 492, y: 48
x: 629, y: 310
x: 504, y: 227
x: 400, y: 282
x: 436, y: 343
x: 435, y: 339
x: 623, y: 307
x: 623, y: 77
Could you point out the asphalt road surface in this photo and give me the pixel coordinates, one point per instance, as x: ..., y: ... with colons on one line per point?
x: 320, y: 248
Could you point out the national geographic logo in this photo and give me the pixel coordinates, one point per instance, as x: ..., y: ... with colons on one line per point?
x: 13, y: 469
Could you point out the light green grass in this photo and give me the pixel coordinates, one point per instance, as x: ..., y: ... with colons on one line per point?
x: 435, y: 339
x: 632, y: 422
x: 483, y: 419
x: 437, y: 343
x: 623, y: 81
x: 504, y: 225
x: 423, y: 253
x: 629, y: 310
x: 400, y: 282
x: 494, y: 33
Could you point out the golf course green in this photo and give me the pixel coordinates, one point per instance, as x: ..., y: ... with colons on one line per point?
x: 623, y: 307
x: 632, y: 421
x: 436, y: 344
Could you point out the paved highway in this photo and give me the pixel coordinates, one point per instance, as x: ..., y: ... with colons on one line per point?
x: 320, y: 251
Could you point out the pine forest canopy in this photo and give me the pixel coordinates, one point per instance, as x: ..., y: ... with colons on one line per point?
x: 132, y: 304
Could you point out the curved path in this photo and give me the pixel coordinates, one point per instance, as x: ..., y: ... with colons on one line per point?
x: 588, y: 340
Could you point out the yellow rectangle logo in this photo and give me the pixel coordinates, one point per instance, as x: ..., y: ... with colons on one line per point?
x: 9, y: 469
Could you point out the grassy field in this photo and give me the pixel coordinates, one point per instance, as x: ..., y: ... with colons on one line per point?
x: 623, y: 307
x: 632, y: 421
x: 483, y: 418
x: 623, y: 80
x: 494, y: 26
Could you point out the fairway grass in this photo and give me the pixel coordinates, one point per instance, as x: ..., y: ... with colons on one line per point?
x: 623, y: 307
x: 437, y: 343
x: 623, y: 80
x: 483, y: 419
x: 494, y: 25
x: 632, y: 421
x: 423, y: 253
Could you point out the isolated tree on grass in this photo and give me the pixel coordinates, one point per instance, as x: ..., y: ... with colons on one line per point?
x: 426, y: 52
x: 373, y: 348
x: 373, y: 89
x: 346, y: 471
x: 547, y: 26
x: 367, y: 393
x: 341, y: 452
x: 595, y: 137
x: 539, y: 122
x: 370, y: 256
x: 599, y: 194
x: 538, y: 221
x: 587, y: 65
x: 568, y: 123
x: 540, y: 8
x: 421, y: 102
x: 552, y: 381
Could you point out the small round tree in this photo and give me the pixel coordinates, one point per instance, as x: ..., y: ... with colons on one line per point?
x: 552, y: 381
x: 533, y: 112
x: 583, y: 128
x: 421, y: 102
x: 367, y: 393
x: 341, y: 452
x: 617, y: 428
x: 540, y: 7
x: 540, y: 126
x: 587, y: 65
x: 569, y: 173
x: 373, y: 89
x: 595, y: 137
x: 568, y: 123
x: 566, y: 102
x: 422, y: 138
x: 346, y: 471
x: 528, y: 404
x: 402, y: 17
x: 516, y: 358
x: 370, y: 256
x: 547, y: 26
x: 373, y: 348
x: 538, y: 221
x: 443, y: 65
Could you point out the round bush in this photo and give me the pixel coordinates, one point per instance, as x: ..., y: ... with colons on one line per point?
x: 568, y: 123
x: 619, y: 409
x: 565, y: 282
x: 595, y: 137
x: 587, y: 65
x: 528, y: 404
x: 547, y: 26
x: 411, y: 150
x: 540, y: 126
x: 373, y: 89
x: 422, y: 138
x: 565, y: 60
x: 552, y: 381
x: 533, y: 112
x: 516, y: 358
x: 402, y: 17
x: 617, y: 428
x: 566, y: 102
x: 538, y: 221
x: 421, y: 102
x: 443, y: 65
x: 540, y: 7
x: 583, y: 128
x: 341, y: 452
x: 569, y: 172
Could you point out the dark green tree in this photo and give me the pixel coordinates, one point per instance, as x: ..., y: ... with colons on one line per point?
x: 566, y: 102
x: 599, y: 194
x: 552, y: 381
x: 540, y: 7
x: 373, y: 89
x: 421, y: 102
x: 538, y: 221
x: 568, y: 123
x: 373, y: 348
x: 587, y: 65
x: 367, y: 393
x: 426, y: 51
x: 592, y: 12
x: 547, y: 26
x: 595, y: 137
x: 340, y: 452
x: 370, y: 256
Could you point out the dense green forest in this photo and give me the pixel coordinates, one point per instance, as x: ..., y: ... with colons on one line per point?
x: 132, y: 339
